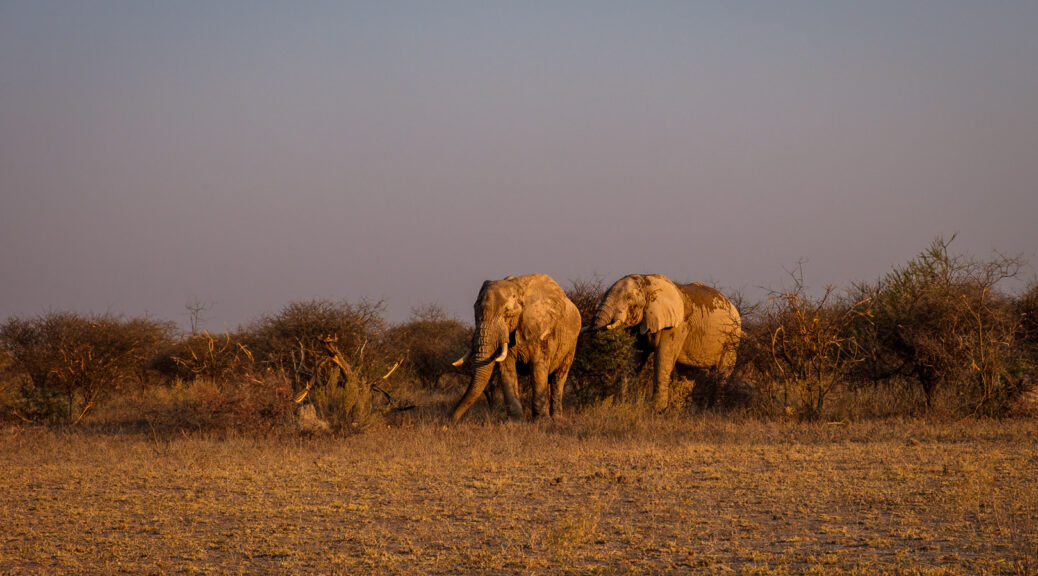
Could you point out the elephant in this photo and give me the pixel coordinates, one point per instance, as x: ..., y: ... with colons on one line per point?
x: 526, y: 320
x: 688, y: 324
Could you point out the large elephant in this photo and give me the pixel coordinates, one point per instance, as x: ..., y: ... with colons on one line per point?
x: 688, y: 324
x: 527, y: 320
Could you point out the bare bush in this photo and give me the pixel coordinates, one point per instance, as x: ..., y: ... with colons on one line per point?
x: 801, y: 348
x: 296, y: 355
x: 12, y: 382
x: 248, y: 404
x: 343, y: 398
x: 585, y: 295
x: 218, y: 359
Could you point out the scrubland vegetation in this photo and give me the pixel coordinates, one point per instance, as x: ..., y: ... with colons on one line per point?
x: 937, y: 336
x: 885, y: 427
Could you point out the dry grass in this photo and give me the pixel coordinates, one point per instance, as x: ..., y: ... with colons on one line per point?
x: 607, y: 492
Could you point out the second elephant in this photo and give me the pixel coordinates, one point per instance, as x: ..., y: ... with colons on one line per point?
x: 688, y: 324
x: 527, y: 320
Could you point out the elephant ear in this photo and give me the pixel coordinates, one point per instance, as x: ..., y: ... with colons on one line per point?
x: 542, y: 297
x: 664, y: 306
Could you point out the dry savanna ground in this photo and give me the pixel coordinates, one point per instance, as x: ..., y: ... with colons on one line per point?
x: 605, y: 492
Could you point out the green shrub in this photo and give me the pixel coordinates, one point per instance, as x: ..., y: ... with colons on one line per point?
x: 604, y: 368
x: 605, y: 362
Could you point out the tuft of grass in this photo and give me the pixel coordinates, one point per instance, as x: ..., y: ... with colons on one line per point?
x: 568, y: 533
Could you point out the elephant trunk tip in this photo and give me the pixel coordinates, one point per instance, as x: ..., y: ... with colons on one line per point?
x: 606, y: 318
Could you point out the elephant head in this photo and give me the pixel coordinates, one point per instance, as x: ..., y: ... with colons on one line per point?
x: 498, y: 307
x: 651, y: 303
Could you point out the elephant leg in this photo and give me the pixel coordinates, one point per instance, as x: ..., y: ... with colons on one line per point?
x: 661, y: 389
x: 495, y: 394
x: 666, y: 357
x: 540, y: 390
x: 558, y: 383
x: 720, y: 378
x: 509, y: 386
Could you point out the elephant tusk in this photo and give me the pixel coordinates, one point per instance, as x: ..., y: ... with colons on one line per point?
x: 503, y: 354
x: 457, y: 363
x: 613, y: 326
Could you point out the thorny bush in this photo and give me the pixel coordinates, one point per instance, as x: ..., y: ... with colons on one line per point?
x: 800, y: 349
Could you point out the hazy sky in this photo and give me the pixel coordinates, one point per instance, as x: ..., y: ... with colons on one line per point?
x: 249, y: 154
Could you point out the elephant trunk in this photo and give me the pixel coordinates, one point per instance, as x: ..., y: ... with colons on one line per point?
x: 480, y: 378
x: 607, y: 318
x: 488, y: 340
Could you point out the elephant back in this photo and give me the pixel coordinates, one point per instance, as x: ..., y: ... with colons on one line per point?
x: 715, y: 327
x: 702, y: 296
x: 538, y: 285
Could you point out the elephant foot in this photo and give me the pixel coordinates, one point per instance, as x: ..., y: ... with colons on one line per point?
x: 540, y: 412
x: 660, y: 404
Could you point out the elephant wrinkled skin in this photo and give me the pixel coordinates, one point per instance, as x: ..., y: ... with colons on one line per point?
x: 527, y: 320
x: 688, y: 324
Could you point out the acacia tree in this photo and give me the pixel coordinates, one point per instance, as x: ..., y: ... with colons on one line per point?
x: 430, y: 341
x: 72, y: 362
x: 942, y: 322
x: 296, y: 335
